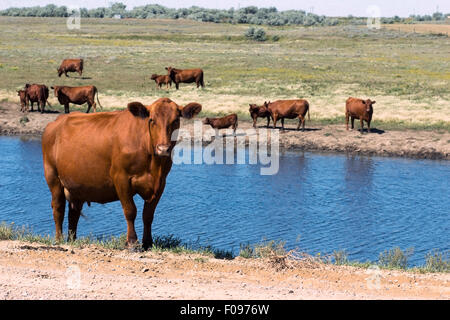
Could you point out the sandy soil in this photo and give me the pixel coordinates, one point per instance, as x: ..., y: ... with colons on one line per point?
x: 328, y: 138
x: 36, y: 271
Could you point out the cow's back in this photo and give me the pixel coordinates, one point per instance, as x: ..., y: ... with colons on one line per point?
x: 354, y: 106
x: 289, y: 108
x: 79, y: 148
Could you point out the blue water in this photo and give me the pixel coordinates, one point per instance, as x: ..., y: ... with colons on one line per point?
x: 316, y: 202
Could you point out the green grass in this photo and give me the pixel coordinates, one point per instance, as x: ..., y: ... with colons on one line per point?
x: 313, y: 63
x: 392, y: 259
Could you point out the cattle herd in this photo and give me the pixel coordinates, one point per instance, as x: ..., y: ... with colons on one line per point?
x: 109, y: 156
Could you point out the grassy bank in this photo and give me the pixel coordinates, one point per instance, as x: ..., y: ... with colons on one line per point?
x: 404, y: 72
x: 274, y: 251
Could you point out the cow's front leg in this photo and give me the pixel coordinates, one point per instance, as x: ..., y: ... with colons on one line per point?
x: 66, y: 108
x: 147, y: 217
x: 129, y: 208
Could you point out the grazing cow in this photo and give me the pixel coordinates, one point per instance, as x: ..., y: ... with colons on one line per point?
x: 186, y: 76
x: 77, y: 95
x: 359, y: 109
x: 259, y: 111
x: 224, y: 122
x: 36, y: 93
x: 71, y: 65
x: 289, y: 109
x: 110, y: 156
x: 162, y: 79
x: 23, y: 100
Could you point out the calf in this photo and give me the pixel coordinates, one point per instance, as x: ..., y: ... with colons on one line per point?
x: 289, y: 109
x: 77, y: 95
x: 359, y: 109
x: 36, y: 93
x: 224, y: 122
x: 71, y: 65
x: 259, y: 112
x: 23, y: 100
x: 162, y: 79
x: 186, y: 76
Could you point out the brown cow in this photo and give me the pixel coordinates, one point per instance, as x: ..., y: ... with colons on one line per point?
x: 110, y: 156
x: 77, y: 95
x: 23, y: 100
x: 162, y: 79
x: 224, y: 122
x: 259, y: 111
x: 36, y: 93
x: 186, y: 76
x: 289, y: 109
x: 71, y: 65
x: 359, y: 109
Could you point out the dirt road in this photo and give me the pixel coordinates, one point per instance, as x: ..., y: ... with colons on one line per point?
x: 37, y: 271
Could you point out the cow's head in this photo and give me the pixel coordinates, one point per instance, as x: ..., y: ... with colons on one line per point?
x: 22, y: 94
x: 60, y: 71
x: 163, y: 118
x: 171, y: 72
x: 206, y: 121
x: 369, y: 105
x: 154, y: 76
x: 56, y: 90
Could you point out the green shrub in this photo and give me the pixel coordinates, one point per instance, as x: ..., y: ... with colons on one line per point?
x: 395, y: 258
x: 435, y: 261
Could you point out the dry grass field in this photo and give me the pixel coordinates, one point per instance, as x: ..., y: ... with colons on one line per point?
x: 443, y: 29
x: 406, y: 73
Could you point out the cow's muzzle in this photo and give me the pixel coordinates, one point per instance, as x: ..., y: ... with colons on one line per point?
x: 163, y: 150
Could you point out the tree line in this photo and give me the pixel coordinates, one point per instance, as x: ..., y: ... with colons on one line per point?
x: 248, y: 15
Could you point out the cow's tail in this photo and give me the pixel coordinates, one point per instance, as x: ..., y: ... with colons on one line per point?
x: 98, y: 101
x: 309, y: 118
x: 201, y: 80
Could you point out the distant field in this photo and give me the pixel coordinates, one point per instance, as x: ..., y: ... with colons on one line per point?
x: 408, y: 74
x: 443, y: 29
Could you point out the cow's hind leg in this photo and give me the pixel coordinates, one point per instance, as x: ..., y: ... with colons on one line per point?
x: 301, y: 120
x: 362, y: 125
x: 75, y: 208
x: 353, y: 123
x: 282, y: 124
x: 58, y: 199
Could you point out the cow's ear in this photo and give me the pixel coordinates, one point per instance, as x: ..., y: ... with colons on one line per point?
x: 363, y: 102
x: 166, y: 68
x: 137, y: 109
x: 190, y: 110
x: 373, y: 102
x: 27, y: 85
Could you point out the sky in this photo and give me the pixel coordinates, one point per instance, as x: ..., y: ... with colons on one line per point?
x: 387, y: 8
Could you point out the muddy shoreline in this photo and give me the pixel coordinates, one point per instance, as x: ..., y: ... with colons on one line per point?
x: 317, y: 138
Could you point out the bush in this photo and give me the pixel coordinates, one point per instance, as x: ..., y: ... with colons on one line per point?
x: 395, y: 258
x: 437, y: 262
x: 256, y: 34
